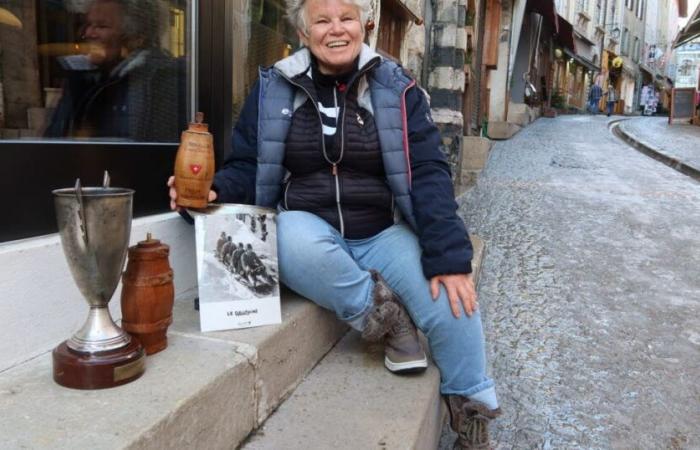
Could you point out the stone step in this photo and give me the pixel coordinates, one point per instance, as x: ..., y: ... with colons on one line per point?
x: 350, y: 401
x: 204, y: 391
x: 502, y: 130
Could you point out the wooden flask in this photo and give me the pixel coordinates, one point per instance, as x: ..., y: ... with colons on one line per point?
x: 194, y: 165
x: 148, y: 294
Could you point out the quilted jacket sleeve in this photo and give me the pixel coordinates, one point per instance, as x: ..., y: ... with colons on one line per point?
x: 235, y: 181
x: 442, y: 234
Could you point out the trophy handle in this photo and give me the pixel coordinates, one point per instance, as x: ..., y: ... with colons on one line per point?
x: 81, y: 211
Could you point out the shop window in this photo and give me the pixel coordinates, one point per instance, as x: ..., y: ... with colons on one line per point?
x: 94, y: 70
x: 88, y: 86
x: 262, y: 36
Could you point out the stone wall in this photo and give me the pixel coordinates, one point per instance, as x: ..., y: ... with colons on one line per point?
x: 413, y: 47
x: 446, y: 76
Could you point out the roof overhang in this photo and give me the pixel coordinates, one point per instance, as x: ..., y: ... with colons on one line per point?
x: 546, y: 9
x: 565, y: 34
x: 582, y: 61
x: 690, y: 31
x: 406, y: 13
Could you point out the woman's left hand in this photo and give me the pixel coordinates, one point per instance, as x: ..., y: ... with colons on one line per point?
x: 460, y: 292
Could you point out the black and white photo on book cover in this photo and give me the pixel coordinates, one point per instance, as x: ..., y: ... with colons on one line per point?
x: 237, y: 267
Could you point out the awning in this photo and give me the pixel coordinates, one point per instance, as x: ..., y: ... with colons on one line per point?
x: 690, y: 31
x: 565, y: 34
x: 582, y: 61
x: 546, y: 9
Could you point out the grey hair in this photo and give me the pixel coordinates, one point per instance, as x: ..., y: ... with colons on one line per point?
x: 297, y: 17
x: 142, y: 21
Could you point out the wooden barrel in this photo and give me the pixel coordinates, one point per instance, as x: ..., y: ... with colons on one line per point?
x: 194, y: 165
x: 148, y: 294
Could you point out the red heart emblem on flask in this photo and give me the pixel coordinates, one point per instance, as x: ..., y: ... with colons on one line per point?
x: 195, y: 168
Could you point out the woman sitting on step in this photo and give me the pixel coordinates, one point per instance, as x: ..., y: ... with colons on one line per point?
x: 341, y: 142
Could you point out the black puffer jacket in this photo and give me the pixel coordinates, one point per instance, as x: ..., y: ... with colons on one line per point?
x: 360, y: 204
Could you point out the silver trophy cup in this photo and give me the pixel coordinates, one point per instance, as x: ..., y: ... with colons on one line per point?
x: 94, y: 224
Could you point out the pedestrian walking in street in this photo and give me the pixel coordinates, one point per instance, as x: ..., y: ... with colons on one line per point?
x: 594, y: 96
x: 611, y: 99
x: 335, y: 113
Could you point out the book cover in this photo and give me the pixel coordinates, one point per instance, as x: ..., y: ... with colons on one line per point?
x: 237, y: 267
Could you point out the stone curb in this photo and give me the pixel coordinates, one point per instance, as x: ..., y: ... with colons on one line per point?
x: 204, y: 391
x: 618, y: 129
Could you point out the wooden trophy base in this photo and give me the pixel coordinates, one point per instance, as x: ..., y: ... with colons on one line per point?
x: 98, y: 370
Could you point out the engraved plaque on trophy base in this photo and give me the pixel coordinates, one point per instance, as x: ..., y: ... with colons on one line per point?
x: 100, y: 370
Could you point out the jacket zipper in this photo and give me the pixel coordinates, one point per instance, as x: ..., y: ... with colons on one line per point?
x: 334, y: 165
x: 286, y: 189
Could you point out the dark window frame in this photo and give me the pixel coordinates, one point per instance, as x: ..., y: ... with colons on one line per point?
x: 33, y: 168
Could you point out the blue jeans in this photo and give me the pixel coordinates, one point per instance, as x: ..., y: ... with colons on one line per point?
x: 318, y: 263
x: 593, y: 107
x: 611, y: 106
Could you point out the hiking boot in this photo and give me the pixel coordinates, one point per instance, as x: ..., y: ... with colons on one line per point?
x: 470, y: 420
x: 390, y: 322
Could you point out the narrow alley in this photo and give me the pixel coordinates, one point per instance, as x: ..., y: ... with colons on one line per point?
x: 589, y: 290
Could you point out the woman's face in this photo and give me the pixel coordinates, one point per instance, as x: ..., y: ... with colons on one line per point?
x: 334, y: 34
x: 103, y: 31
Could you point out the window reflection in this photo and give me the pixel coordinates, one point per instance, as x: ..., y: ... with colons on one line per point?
x: 261, y: 37
x: 94, y: 69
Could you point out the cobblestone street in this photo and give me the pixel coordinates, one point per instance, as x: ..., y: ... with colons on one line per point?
x: 590, y: 292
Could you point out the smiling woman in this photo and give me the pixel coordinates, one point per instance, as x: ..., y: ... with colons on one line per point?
x: 340, y: 140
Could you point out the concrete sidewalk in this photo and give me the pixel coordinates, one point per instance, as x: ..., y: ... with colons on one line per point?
x: 676, y: 145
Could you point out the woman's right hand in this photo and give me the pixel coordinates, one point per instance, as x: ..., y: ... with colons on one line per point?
x: 173, y: 194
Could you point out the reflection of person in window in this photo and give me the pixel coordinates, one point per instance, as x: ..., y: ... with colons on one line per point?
x: 125, y: 86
